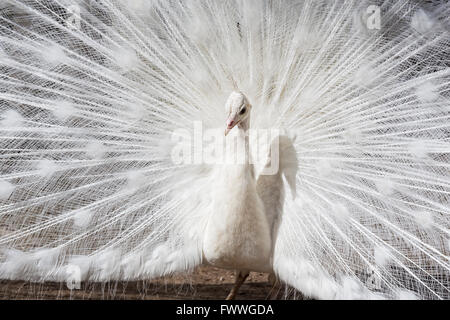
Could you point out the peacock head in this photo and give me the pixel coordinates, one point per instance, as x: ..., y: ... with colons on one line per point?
x: 238, y: 111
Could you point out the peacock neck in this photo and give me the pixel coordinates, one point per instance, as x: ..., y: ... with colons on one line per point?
x: 244, y: 125
x: 243, y: 136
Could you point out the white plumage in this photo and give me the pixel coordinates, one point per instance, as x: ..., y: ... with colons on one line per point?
x: 93, y: 92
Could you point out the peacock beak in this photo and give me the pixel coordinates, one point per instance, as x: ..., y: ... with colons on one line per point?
x: 230, y: 125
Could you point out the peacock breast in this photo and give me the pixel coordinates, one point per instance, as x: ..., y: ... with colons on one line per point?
x: 237, y: 235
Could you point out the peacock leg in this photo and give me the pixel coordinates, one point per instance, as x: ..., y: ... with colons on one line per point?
x: 240, y: 279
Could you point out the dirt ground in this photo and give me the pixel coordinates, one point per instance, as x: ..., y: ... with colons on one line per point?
x: 204, y: 283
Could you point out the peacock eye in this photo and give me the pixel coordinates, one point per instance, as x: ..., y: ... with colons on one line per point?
x: 243, y: 110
